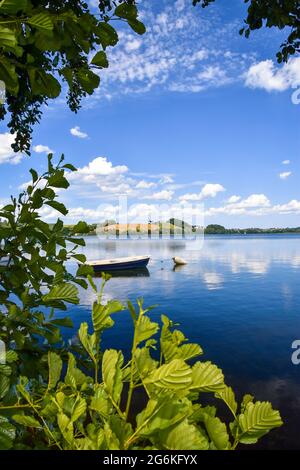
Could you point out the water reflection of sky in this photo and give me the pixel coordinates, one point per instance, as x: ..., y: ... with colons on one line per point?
x: 238, y: 297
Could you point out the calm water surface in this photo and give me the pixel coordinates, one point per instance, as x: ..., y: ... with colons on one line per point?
x: 239, y: 297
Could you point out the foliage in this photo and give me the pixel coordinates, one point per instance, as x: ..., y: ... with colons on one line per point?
x: 83, y: 409
x: 280, y: 14
x: 47, y: 44
x: 33, y: 277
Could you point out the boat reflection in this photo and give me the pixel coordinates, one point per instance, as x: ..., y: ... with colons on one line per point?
x: 138, y: 272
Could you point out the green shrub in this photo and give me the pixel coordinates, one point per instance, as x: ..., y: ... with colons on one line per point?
x: 91, y: 403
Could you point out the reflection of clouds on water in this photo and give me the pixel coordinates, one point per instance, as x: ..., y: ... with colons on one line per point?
x: 241, y: 263
x: 283, y: 393
x: 213, y: 281
x: 88, y: 296
x: 221, y: 259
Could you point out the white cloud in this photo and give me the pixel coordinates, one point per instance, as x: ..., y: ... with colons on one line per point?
x: 133, y: 45
x: 209, y: 190
x: 166, y: 179
x: 285, y: 175
x: 145, y: 185
x: 162, y: 19
x: 179, y: 5
x: 267, y: 76
x: 233, y: 199
x: 292, y: 207
x: 286, y: 162
x: 181, y: 52
x: 42, y: 149
x: 76, y: 132
x: 255, y: 200
x: 164, y: 195
x: 7, y: 155
x: 99, y: 166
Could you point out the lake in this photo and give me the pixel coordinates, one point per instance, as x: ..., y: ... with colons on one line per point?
x: 238, y: 297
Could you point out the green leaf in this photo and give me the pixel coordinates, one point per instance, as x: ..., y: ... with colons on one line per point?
x: 7, y: 37
x: 88, y: 80
x: 65, y: 292
x: 69, y: 166
x: 137, y: 26
x: 246, y: 399
x: 27, y: 421
x: 34, y: 175
x: 189, y: 351
x: 55, y: 368
x: 9, y: 76
x: 227, y: 395
x: 76, y: 241
x: 66, y: 427
x: 11, y: 356
x: 111, y: 373
x: 5, y: 372
x: 101, y: 314
x: 217, y: 432
x: 9, y: 7
x: 256, y: 421
x: 206, y: 377
x: 41, y: 21
x: 87, y: 341
x: 7, y: 434
x: 100, y: 60
x: 107, y: 35
x: 74, y: 376
x: 145, y: 365
x: 127, y: 11
x: 160, y: 414
x: 176, y: 375
x: 183, y: 436
x: 100, y: 403
x: 79, y: 409
x: 58, y: 206
x: 145, y: 329
x: 84, y: 271
x: 57, y: 180
x: 80, y: 257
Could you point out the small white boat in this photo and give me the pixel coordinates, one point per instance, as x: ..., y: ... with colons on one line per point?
x: 132, y: 262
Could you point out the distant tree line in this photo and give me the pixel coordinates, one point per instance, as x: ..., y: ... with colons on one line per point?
x: 220, y: 230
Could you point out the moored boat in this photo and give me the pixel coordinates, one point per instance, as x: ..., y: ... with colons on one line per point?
x: 119, y: 264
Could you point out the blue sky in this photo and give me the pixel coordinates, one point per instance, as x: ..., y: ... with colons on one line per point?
x: 190, y: 114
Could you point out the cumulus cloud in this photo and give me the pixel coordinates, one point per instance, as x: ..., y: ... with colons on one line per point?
x: 42, y: 149
x: 99, y: 166
x: 286, y: 162
x: 76, y: 132
x: 266, y: 75
x: 7, y: 155
x: 209, y: 190
x: 285, y: 175
x: 255, y: 200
